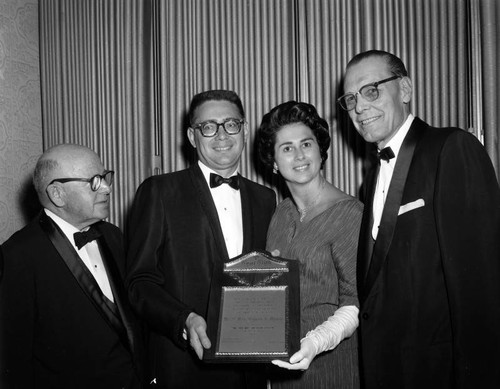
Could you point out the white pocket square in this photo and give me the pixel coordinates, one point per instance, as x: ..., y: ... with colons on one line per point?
x: 411, y: 206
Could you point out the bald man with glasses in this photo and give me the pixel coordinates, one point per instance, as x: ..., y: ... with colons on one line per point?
x: 429, y: 253
x: 65, y: 320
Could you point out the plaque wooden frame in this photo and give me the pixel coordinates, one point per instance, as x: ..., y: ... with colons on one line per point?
x: 254, y: 310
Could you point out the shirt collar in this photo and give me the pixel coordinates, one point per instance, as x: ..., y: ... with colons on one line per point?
x: 67, y: 228
x: 397, y: 140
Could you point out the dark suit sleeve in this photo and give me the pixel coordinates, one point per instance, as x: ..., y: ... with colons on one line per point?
x: 467, y: 210
x: 17, y: 318
x: 147, y: 237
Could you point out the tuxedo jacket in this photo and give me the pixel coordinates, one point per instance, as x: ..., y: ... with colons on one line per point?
x: 429, y: 287
x: 175, y: 241
x: 57, y: 330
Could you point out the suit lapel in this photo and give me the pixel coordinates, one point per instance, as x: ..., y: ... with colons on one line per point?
x: 82, y: 275
x: 392, y: 204
x: 366, y: 242
x: 119, y: 293
x: 204, y: 196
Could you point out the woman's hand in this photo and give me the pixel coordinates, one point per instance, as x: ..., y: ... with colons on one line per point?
x: 301, y: 359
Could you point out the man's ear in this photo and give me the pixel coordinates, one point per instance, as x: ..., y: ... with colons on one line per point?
x: 56, y: 195
x: 190, y: 135
x: 406, y: 89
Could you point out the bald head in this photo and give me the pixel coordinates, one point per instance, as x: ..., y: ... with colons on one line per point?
x: 74, y: 201
x: 57, y: 162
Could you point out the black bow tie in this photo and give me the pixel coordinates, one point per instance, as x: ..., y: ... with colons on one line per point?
x: 216, y: 180
x: 82, y: 238
x: 386, y: 154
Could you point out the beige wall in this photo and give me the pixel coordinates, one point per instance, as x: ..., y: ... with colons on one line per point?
x: 20, y: 112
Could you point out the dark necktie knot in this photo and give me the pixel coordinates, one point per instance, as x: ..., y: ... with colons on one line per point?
x: 216, y: 180
x: 84, y: 237
x: 386, y: 154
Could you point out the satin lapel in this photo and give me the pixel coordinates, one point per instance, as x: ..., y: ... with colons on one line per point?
x: 366, y: 239
x: 115, y: 280
x: 247, y: 216
x: 86, y: 281
x: 392, y: 204
x: 204, y: 196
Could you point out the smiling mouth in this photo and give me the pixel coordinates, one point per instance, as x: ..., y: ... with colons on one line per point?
x: 222, y: 148
x: 368, y: 121
x: 301, y: 167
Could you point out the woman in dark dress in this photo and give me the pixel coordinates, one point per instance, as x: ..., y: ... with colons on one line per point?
x: 318, y: 226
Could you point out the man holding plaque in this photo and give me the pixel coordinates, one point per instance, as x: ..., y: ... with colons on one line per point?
x: 182, y: 226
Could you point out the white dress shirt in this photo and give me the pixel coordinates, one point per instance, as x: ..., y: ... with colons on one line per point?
x: 89, y: 254
x: 385, y: 174
x: 228, y: 204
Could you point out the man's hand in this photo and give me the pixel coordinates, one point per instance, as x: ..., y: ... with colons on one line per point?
x: 301, y: 359
x: 196, y: 328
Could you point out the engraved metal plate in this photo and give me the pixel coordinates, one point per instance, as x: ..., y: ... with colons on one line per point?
x: 254, y: 310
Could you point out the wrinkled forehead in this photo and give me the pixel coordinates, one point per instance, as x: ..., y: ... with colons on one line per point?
x: 366, y: 71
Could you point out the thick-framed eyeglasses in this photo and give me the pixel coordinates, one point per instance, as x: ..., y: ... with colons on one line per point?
x: 210, y: 128
x: 95, y: 181
x: 369, y: 92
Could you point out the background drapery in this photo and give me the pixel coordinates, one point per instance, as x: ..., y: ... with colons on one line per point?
x: 118, y: 75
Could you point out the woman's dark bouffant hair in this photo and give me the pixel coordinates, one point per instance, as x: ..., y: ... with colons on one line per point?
x: 289, y: 113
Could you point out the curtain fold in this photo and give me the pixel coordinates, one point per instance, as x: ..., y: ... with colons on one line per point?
x: 489, y: 16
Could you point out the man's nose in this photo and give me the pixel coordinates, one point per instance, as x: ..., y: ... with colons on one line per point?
x: 361, y: 103
x: 105, y: 187
x: 221, y: 132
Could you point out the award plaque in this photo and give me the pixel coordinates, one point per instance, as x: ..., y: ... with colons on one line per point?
x: 254, y: 310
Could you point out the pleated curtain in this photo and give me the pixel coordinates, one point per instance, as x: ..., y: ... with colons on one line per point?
x: 118, y: 75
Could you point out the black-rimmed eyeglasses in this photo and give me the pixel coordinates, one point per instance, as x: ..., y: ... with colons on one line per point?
x: 369, y: 92
x: 210, y: 128
x: 95, y: 181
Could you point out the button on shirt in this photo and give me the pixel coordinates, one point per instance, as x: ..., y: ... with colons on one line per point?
x: 89, y: 254
x: 228, y: 204
x: 385, y: 174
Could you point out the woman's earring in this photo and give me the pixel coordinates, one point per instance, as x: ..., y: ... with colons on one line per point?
x: 275, y: 168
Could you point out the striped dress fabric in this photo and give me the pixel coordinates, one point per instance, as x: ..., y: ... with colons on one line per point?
x: 326, y: 247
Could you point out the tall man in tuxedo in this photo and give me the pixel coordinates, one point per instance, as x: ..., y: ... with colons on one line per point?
x: 429, y: 255
x: 183, y: 224
x: 65, y: 321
